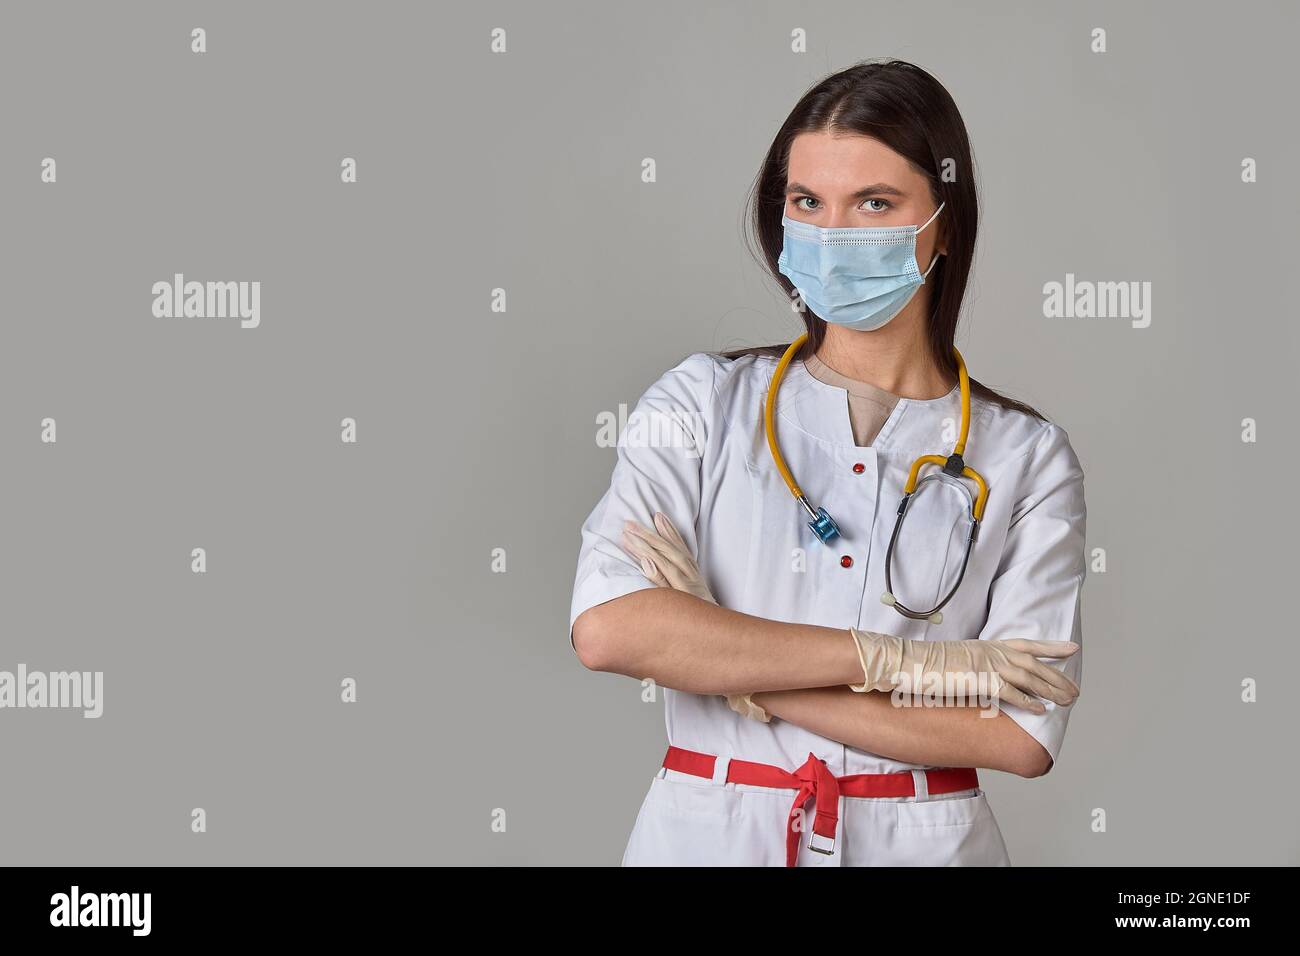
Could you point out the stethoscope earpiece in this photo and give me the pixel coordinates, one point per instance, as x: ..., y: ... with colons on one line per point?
x: 889, y: 599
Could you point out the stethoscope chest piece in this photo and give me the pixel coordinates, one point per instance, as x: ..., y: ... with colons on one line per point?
x: 824, y: 526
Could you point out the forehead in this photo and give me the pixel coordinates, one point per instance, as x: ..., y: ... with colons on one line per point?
x: 844, y: 162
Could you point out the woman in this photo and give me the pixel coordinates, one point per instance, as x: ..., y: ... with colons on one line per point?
x: 783, y: 643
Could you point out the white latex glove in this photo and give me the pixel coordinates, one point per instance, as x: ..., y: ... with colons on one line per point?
x: 667, y: 562
x: 1013, y: 671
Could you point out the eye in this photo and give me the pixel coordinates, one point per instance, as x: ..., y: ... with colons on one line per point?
x: 801, y: 199
x: 885, y: 204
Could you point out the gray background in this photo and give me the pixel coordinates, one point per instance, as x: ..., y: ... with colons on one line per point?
x: 477, y: 430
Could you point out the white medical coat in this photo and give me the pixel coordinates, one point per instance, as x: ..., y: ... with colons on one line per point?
x: 694, y: 448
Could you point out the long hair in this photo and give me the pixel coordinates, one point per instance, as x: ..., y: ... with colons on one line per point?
x: 908, y: 110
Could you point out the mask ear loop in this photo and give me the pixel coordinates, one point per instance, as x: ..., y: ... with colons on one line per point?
x: 934, y: 258
x: 921, y: 229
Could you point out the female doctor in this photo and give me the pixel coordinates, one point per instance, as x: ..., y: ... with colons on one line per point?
x: 835, y: 672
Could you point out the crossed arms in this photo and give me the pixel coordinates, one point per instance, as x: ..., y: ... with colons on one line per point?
x: 797, y: 672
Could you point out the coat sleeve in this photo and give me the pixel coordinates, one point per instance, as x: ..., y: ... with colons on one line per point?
x: 658, y: 468
x: 1036, y: 592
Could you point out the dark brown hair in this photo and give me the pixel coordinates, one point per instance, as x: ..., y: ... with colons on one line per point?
x: 908, y: 110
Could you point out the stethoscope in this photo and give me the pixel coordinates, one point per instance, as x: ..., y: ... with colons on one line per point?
x: 824, y: 526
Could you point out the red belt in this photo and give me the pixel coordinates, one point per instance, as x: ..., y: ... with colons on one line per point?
x: 814, y: 779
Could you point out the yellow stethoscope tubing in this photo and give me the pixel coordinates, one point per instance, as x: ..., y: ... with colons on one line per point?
x: 769, y: 409
x: 769, y: 426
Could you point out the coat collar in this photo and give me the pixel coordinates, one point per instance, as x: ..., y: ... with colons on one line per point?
x: 822, y: 411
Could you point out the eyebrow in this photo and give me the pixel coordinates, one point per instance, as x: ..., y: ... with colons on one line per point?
x: 875, y: 189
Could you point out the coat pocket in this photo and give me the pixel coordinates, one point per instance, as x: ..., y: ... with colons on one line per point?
x: 694, y: 800
x: 684, y: 824
x: 958, y: 832
x: 959, y: 812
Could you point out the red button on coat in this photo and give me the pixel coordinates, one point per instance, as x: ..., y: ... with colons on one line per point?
x: 846, y: 561
x: 859, y: 468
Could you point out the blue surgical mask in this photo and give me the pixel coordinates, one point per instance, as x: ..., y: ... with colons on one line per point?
x: 859, y: 277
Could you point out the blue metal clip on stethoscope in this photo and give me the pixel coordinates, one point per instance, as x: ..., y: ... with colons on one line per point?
x: 824, y: 526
